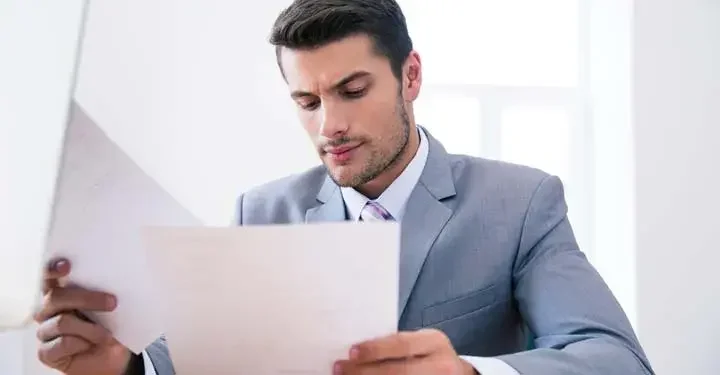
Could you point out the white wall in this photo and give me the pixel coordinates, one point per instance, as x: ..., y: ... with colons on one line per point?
x: 38, y: 41
x: 180, y: 86
x: 189, y: 89
x: 677, y: 150
x: 610, y: 83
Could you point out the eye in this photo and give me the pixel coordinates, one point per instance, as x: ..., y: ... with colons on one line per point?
x: 355, y: 93
x: 309, y: 105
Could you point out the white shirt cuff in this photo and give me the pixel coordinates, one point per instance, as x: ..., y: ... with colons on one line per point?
x: 490, y: 366
x: 149, y: 368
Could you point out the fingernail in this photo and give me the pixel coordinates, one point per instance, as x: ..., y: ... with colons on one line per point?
x: 354, y: 353
x: 337, y: 369
x: 111, y: 302
x: 60, y: 264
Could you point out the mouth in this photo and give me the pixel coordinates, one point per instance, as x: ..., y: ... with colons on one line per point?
x: 341, y: 154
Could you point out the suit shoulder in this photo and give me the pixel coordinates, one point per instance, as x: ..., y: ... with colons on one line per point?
x: 502, y: 174
x: 280, y: 201
x: 502, y: 190
x: 296, y: 187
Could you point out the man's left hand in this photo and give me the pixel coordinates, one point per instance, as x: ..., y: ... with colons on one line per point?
x: 424, y: 352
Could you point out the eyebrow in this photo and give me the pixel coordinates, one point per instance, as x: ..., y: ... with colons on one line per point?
x: 344, y: 81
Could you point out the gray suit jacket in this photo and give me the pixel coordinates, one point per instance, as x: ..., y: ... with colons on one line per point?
x: 488, y: 257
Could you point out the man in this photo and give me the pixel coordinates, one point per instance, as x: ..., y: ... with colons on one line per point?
x: 488, y: 258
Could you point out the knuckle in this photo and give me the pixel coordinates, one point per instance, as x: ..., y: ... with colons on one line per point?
x: 364, y: 350
x: 42, y: 356
x: 50, y: 328
x: 70, y: 345
x: 105, y: 336
x: 438, y: 335
x: 38, y: 316
x: 433, y: 332
x: 49, y: 301
x: 404, y: 343
x: 40, y: 333
x: 98, y: 334
x: 64, y: 344
x: 446, y: 366
x: 46, y: 354
x: 63, y: 323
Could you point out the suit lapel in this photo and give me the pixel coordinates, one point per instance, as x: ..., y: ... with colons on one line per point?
x: 425, y: 217
x: 332, y: 207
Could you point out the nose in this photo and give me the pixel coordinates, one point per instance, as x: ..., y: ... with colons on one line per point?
x: 333, y: 123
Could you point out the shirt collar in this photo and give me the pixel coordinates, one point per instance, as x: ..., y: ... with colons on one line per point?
x: 395, y: 197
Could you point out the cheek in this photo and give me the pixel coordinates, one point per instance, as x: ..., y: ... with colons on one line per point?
x: 310, y: 121
x: 379, y: 113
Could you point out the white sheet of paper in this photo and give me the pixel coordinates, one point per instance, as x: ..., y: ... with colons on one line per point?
x: 103, y: 201
x: 38, y: 55
x: 274, y: 300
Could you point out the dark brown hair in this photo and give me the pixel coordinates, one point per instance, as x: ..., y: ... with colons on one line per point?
x: 308, y: 24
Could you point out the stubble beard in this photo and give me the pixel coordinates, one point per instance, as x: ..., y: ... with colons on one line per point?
x: 378, y: 162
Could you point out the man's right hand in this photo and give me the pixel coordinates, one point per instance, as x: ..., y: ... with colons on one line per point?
x: 69, y: 342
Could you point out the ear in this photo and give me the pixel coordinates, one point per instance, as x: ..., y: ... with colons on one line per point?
x: 412, y: 77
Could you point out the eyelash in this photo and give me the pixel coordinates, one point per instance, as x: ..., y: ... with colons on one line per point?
x: 352, y: 94
x: 310, y: 106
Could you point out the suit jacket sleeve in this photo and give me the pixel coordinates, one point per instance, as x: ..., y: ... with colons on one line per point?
x: 237, y: 220
x: 578, y: 325
x: 156, y: 360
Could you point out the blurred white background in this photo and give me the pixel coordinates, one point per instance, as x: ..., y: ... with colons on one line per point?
x: 617, y: 97
x: 38, y: 45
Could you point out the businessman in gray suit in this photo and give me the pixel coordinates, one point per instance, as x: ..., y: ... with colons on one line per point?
x: 491, y: 279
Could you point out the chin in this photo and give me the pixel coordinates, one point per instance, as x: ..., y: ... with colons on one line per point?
x: 343, y: 176
x: 342, y: 179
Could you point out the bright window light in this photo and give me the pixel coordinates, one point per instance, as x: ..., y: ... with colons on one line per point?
x: 502, y: 79
x: 454, y: 119
x: 496, y: 42
x: 538, y: 137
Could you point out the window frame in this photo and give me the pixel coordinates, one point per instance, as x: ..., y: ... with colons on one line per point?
x: 576, y: 100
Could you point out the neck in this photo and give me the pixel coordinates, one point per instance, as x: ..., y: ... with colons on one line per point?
x: 373, y: 189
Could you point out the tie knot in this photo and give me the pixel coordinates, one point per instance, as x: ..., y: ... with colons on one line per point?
x: 373, y: 211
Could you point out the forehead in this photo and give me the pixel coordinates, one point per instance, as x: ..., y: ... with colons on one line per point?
x: 322, y: 67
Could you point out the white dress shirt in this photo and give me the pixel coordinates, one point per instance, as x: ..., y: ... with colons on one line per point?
x: 394, y: 199
x: 149, y: 368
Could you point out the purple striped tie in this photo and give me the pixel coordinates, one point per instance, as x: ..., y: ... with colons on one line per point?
x: 374, y: 212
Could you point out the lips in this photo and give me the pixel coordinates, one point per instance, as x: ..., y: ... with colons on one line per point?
x: 341, y: 154
x: 339, y: 150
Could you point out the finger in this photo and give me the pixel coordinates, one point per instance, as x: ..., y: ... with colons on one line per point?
x: 59, y: 300
x: 56, y: 269
x: 401, y: 345
x: 54, y: 351
x: 432, y: 365
x: 71, y: 325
